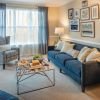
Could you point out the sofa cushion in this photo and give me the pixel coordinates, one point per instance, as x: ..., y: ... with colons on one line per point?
x: 74, y: 66
x: 7, y: 96
x: 53, y: 53
x: 62, y: 57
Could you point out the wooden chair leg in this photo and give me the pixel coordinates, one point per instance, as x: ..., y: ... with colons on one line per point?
x: 3, y: 66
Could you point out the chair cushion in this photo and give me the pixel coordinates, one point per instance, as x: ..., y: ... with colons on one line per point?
x: 11, y: 53
x: 7, y: 96
x: 74, y: 66
x: 53, y: 53
x: 62, y: 57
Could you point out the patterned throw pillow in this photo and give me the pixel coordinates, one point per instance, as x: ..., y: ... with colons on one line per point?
x: 95, y: 54
x: 85, y: 51
x: 59, y: 45
x: 67, y: 46
x: 74, y: 53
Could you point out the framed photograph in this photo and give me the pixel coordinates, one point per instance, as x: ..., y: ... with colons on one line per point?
x: 95, y: 12
x: 70, y: 13
x: 74, y: 25
x: 76, y: 13
x: 85, y: 13
x: 84, y: 3
x: 88, y: 29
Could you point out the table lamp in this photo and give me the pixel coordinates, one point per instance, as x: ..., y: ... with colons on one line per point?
x: 59, y: 31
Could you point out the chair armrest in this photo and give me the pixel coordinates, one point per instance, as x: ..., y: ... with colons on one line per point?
x: 18, y: 50
x: 91, y: 72
x: 51, y: 48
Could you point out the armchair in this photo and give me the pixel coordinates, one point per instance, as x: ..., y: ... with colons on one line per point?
x: 9, y: 54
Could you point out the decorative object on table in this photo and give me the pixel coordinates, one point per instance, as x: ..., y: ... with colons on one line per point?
x: 38, y: 57
x: 84, y: 3
x: 95, y: 11
x: 77, y: 13
x: 59, y: 31
x: 88, y: 29
x: 85, y: 13
x: 70, y: 13
x: 23, y: 62
x: 35, y: 65
x: 74, y: 25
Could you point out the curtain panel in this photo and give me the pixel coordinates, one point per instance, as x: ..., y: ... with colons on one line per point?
x: 43, y: 29
x: 2, y: 20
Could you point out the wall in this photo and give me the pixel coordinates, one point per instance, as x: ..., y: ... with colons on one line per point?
x: 76, y: 36
x: 53, y: 20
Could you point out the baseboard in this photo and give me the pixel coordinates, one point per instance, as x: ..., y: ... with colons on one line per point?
x: 93, y: 44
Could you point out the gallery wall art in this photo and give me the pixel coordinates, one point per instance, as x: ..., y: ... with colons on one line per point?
x: 70, y: 13
x: 74, y: 25
x: 95, y: 11
x: 88, y: 29
x: 85, y: 13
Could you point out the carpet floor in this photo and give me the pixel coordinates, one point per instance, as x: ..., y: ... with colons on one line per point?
x: 64, y: 89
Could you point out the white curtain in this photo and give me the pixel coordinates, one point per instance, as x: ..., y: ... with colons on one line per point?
x: 22, y: 26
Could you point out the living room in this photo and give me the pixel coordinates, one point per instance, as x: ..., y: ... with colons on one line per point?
x: 62, y: 36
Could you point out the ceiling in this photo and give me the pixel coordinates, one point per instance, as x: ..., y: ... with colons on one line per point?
x: 49, y: 3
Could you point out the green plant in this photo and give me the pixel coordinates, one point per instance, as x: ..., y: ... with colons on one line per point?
x: 38, y: 56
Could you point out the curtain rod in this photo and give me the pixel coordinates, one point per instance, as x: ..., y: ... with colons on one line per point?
x: 20, y: 5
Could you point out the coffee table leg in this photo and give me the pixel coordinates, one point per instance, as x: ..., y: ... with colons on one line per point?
x: 54, y: 77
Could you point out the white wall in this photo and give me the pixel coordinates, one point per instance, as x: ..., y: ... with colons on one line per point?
x: 63, y: 21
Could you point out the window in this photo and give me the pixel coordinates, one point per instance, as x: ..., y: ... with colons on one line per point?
x: 22, y: 25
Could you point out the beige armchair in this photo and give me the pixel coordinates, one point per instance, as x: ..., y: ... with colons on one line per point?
x: 10, y: 54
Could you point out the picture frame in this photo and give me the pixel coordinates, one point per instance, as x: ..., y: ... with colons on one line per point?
x: 95, y: 11
x: 85, y: 13
x: 70, y: 13
x: 84, y: 3
x: 88, y: 29
x: 77, y: 13
x: 74, y: 25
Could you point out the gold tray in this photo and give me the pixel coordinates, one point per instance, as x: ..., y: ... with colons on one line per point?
x: 36, y: 66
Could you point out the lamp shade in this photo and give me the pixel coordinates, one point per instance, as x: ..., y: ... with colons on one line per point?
x: 59, y: 30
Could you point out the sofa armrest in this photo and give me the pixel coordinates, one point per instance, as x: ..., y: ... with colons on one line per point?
x: 51, y: 48
x: 91, y: 73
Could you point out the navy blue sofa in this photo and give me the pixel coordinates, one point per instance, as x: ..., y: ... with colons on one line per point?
x: 84, y: 73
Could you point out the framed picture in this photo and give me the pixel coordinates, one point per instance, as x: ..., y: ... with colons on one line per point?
x: 95, y: 12
x: 84, y: 3
x: 88, y: 29
x: 85, y: 13
x: 74, y: 25
x: 70, y: 13
x: 77, y: 13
